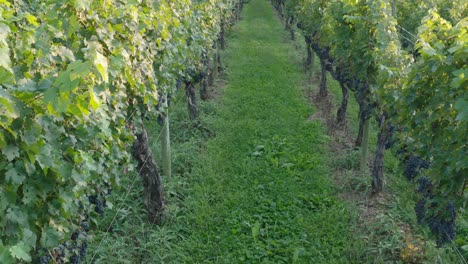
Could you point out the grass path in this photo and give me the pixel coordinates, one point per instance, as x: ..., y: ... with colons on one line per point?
x: 261, y: 190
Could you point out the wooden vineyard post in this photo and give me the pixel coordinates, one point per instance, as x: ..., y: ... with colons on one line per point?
x: 378, y: 169
x: 365, y: 145
x: 215, y: 62
x: 323, y: 78
x: 166, y: 145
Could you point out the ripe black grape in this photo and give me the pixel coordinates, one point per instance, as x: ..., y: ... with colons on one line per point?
x: 85, y: 225
x: 74, y: 259
x: 75, y: 235
x: 389, y: 143
x: 424, y: 164
x: 444, y: 229
x: 412, y: 166
x: 442, y: 224
x: 98, y: 204
x: 93, y: 199
x: 82, y: 249
x: 104, y: 201
x: 60, y: 251
x: 44, y: 259
x: 160, y: 120
x: 425, y: 186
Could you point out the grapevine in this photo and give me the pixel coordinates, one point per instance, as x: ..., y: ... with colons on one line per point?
x: 406, y: 68
x: 76, y: 78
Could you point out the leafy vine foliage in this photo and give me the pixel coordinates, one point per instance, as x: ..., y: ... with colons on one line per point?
x: 76, y: 79
x: 407, y: 66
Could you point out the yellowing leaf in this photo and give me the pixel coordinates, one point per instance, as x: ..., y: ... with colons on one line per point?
x: 5, y: 2
x: 93, y: 99
x: 165, y: 34
x: 101, y: 66
x: 32, y: 20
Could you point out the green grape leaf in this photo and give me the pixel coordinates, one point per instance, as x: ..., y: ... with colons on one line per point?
x: 462, y: 106
x: 460, y: 78
x: 51, y: 98
x: 79, y: 69
x: 82, y: 4
x: 15, y: 215
x: 11, y: 152
x: 5, y: 60
x: 6, y: 72
x: 4, y: 31
x: 5, y: 256
x: 19, y: 251
x: 30, y: 194
x: 3, y: 142
x: 29, y: 237
x: 7, y: 108
x: 49, y: 237
x: 6, y: 77
x: 13, y: 176
x: 64, y: 83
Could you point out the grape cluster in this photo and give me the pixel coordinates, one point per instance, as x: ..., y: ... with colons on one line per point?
x: 44, y: 259
x: 85, y: 225
x: 425, y: 187
x: 75, y: 235
x: 60, y: 252
x: 108, y: 189
x: 75, y: 249
x: 412, y: 166
x: 98, y: 202
x: 74, y: 259
x: 441, y: 221
x: 444, y: 227
x: 71, y: 251
x: 43, y: 255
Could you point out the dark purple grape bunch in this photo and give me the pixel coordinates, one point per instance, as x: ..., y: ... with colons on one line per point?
x: 413, y: 165
x: 99, y: 202
x: 43, y: 256
x: 440, y: 219
x: 425, y: 187
x: 443, y: 225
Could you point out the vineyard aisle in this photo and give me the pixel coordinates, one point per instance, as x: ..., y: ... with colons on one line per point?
x: 261, y: 189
